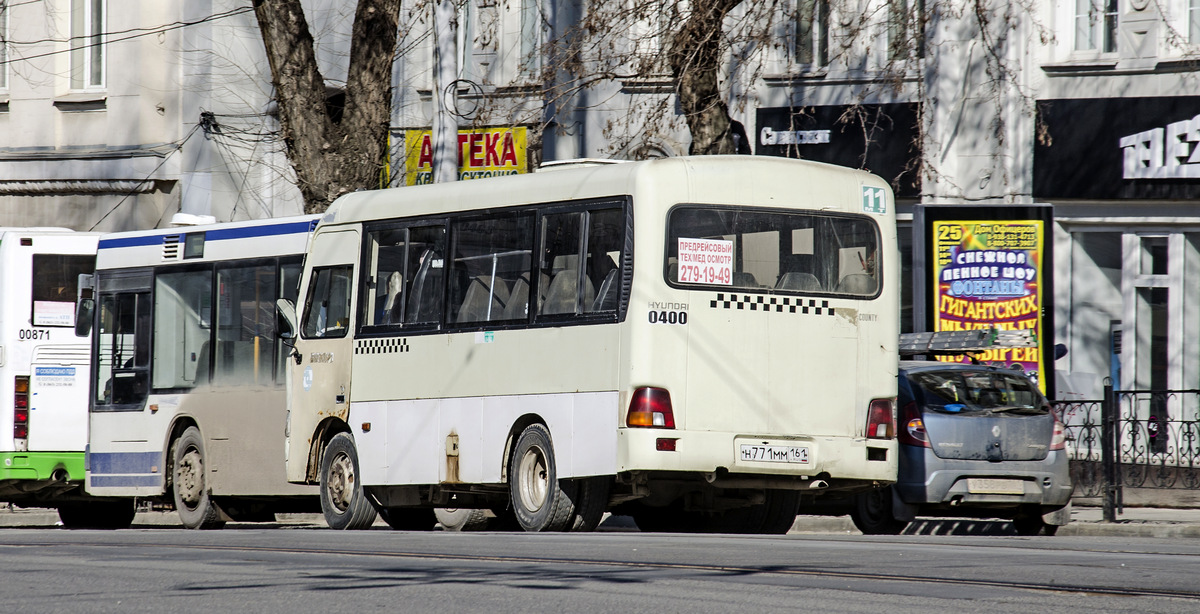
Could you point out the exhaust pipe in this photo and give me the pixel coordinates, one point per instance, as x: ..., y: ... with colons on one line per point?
x: 818, y: 485
x: 59, y: 475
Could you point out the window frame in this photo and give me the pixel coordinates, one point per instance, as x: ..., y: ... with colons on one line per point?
x: 881, y: 279
x: 816, y: 47
x: 87, y: 51
x: 534, y: 320
x: 33, y: 294
x: 308, y: 302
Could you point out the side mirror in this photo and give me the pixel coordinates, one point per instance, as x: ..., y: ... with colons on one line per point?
x: 84, y: 310
x: 287, y: 318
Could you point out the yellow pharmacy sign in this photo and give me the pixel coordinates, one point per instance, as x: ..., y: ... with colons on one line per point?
x: 482, y: 152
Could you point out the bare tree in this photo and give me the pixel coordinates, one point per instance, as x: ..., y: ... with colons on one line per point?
x: 336, y: 141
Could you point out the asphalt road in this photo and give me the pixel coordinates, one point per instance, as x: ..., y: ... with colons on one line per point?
x: 300, y: 569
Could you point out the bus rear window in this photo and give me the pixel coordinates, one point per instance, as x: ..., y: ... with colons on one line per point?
x: 772, y: 251
x: 55, y: 283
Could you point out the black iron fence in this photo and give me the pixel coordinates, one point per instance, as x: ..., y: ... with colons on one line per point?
x: 1132, y: 439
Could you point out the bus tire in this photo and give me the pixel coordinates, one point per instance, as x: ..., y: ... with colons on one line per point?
x: 872, y: 513
x: 101, y: 514
x: 779, y: 513
x: 591, y: 501
x: 462, y: 519
x: 343, y: 501
x: 190, y: 490
x: 540, y: 500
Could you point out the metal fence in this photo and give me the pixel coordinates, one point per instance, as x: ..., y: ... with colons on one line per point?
x: 1134, y: 439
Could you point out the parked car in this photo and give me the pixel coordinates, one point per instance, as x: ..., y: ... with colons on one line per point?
x: 975, y: 441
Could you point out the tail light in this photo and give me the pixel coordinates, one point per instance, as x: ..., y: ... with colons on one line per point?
x: 1058, y: 441
x: 881, y: 419
x: 21, y: 407
x: 650, y: 408
x: 912, y: 427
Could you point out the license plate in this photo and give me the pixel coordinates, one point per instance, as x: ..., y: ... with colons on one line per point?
x: 992, y: 486
x: 774, y: 454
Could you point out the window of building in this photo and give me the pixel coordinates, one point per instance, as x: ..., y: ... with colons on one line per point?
x: 531, y: 37
x: 1193, y: 14
x: 906, y: 29
x: 812, y: 32
x: 87, y: 44
x: 1096, y: 25
x: 3, y: 44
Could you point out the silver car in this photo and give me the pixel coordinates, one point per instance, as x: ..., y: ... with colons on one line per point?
x: 975, y: 441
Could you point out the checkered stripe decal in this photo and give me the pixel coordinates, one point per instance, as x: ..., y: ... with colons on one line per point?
x: 380, y: 346
x: 778, y: 304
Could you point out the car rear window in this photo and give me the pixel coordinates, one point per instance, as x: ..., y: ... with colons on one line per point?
x: 964, y: 390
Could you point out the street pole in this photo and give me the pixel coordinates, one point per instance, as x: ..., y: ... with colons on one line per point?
x: 445, y: 93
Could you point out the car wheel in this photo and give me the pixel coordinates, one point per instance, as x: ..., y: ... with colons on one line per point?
x: 872, y: 513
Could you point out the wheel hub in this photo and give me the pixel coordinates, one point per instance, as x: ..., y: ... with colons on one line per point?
x: 533, y: 477
x: 341, y: 482
x: 189, y: 477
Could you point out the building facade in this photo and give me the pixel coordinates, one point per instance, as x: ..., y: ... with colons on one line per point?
x: 116, y: 116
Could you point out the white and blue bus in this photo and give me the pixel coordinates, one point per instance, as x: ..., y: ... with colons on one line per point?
x: 187, y: 381
x: 696, y: 342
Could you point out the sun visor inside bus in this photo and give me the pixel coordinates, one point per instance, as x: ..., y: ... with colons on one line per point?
x: 123, y: 281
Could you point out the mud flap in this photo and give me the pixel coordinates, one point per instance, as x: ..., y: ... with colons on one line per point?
x: 904, y: 512
x: 1059, y: 516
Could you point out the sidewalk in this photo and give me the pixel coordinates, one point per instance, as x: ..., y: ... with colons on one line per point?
x: 1167, y: 523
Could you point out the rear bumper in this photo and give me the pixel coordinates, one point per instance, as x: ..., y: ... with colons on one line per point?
x: 925, y: 479
x: 40, y: 465
x: 837, y: 459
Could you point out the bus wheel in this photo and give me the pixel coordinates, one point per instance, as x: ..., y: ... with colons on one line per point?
x: 408, y: 518
x: 462, y: 519
x: 343, y: 501
x: 101, y: 514
x: 196, y: 508
x: 539, y: 499
x: 591, y: 501
x: 780, y: 511
x: 872, y: 513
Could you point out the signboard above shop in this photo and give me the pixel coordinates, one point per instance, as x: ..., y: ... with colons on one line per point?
x: 881, y: 138
x: 482, y: 152
x: 1118, y: 148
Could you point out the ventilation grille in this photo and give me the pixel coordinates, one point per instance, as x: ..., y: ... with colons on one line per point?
x: 171, y: 247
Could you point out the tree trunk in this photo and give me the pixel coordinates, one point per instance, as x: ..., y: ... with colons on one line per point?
x: 695, y: 57
x: 331, y: 153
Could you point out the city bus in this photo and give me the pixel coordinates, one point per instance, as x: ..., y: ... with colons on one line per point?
x: 44, y: 376
x: 696, y: 342
x: 187, y: 384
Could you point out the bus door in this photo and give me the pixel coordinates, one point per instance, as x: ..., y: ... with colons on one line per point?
x: 321, y: 364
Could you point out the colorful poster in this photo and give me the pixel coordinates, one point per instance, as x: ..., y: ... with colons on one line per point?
x: 482, y: 152
x: 990, y: 274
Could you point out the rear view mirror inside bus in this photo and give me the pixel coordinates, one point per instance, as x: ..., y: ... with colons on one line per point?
x: 287, y: 318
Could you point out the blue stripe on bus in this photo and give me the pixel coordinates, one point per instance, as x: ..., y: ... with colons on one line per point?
x: 247, y: 232
x: 113, y: 481
x: 123, y: 462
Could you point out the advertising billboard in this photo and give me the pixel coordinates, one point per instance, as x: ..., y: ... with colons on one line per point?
x: 990, y: 267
